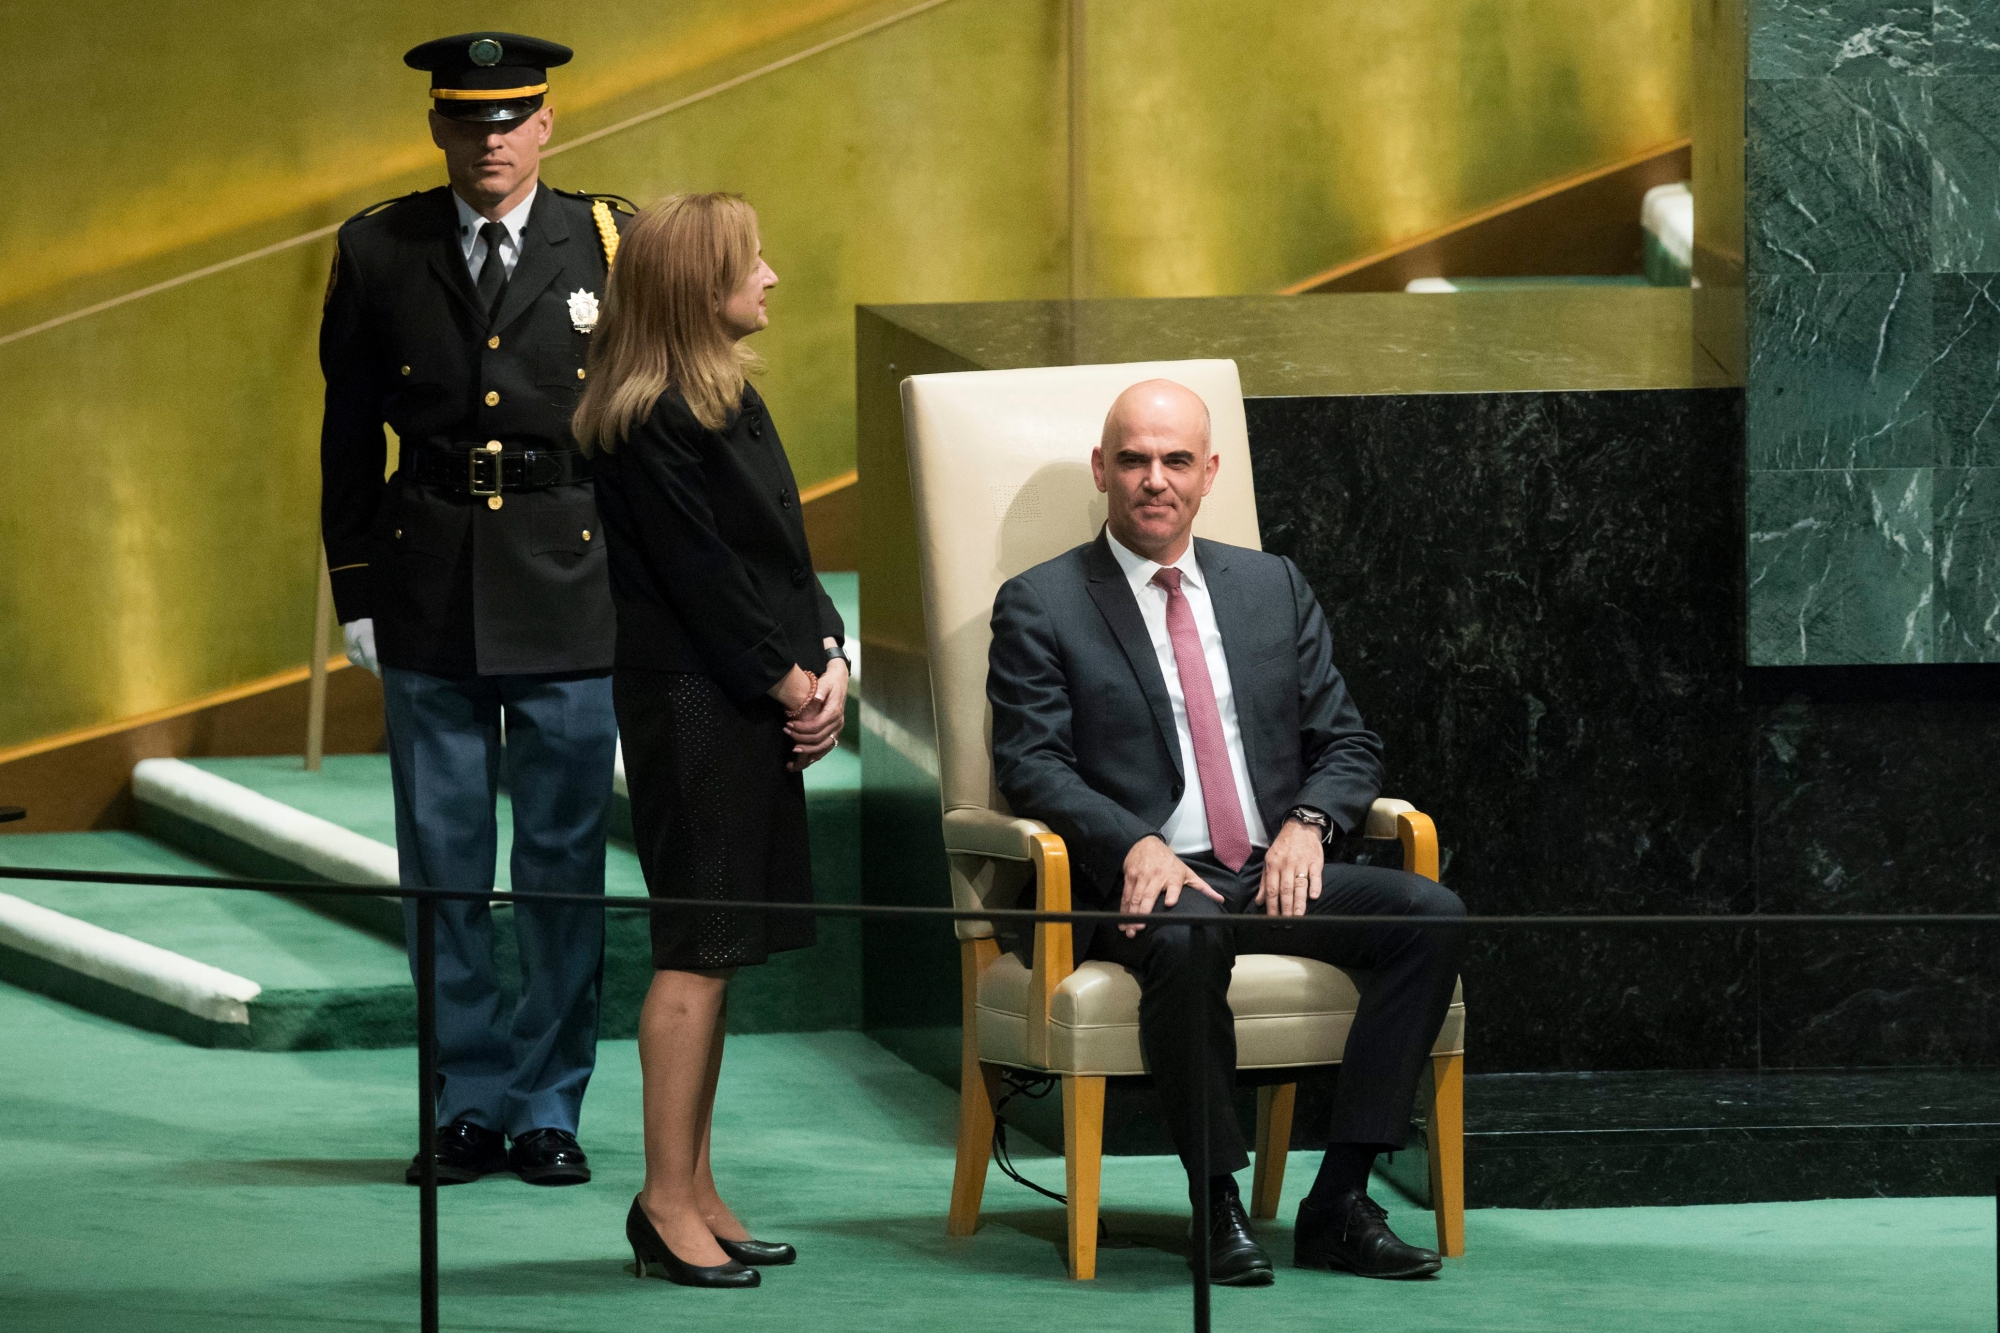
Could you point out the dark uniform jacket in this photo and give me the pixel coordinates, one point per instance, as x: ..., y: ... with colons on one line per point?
x: 709, y: 566
x: 1083, y: 727
x: 457, y: 587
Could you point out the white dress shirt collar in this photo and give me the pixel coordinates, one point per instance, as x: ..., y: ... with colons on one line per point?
x: 1139, y: 570
x: 515, y: 220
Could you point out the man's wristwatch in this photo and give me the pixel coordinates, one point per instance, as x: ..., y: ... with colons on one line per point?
x: 1305, y: 814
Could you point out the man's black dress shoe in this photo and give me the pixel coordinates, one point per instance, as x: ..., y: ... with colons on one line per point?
x: 1235, y: 1259
x: 649, y: 1251
x: 759, y: 1253
x: 1353, y: 1234
x: 549, y: 1157
x: 465, y: 1152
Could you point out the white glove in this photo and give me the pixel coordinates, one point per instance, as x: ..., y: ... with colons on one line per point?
x: 360, y: 636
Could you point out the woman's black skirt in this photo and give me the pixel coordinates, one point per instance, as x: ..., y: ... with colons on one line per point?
x: 715, y: 816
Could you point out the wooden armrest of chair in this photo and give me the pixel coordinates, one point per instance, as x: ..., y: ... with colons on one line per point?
x: 1389, y: 818
x: 977, y: 831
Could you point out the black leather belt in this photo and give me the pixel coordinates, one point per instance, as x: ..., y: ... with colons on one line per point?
x: 477, y: 470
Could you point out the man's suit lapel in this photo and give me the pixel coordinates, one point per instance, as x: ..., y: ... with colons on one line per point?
x: 541, y: 260
x: 1120, y: 609
x: 447, y: 258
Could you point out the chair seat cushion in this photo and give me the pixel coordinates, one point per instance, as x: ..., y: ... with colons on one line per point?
x: 1289, y: 1011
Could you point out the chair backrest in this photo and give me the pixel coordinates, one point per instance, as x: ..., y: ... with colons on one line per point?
x: 1000, y: 477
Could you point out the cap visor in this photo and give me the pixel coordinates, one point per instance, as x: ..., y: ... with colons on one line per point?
x: 486, y: 111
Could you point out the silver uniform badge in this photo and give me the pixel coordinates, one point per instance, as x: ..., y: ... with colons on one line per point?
x: 583, y: 310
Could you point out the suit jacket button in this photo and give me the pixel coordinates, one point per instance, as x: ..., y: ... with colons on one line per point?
x: 494, y: 341
x: 784, y: 499
x: 492, y: 398
x: 799, y: 576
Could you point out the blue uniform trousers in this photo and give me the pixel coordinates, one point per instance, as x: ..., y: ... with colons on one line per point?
x: 525, y: 1069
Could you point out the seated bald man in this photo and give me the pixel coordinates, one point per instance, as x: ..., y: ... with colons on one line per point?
x: 1170, y: 707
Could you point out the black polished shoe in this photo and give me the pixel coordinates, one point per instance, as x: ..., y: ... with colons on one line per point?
x: 465, y: 1152
x: 1353, y: 1234
x: 758, y: 1253
x: 649, y: 1251
x: 549, y: 1157
x: 1235, y: 1259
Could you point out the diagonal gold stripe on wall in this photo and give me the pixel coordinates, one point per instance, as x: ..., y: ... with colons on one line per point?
x: 321, y: 233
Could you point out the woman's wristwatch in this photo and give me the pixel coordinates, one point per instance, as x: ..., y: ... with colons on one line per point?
x: 1305, y: 814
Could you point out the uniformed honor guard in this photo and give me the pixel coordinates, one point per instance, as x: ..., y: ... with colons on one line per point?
x: 473, y: 582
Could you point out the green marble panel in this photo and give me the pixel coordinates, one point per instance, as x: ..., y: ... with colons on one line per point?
x: 1840, y: 567
x: 1803, y: 39
x: 1965, y: 37
x: 1839, y: 370
x: 1967, y: 538
x: 1837, y: 175
x: 1965, y: 373
x: 1965, y: 188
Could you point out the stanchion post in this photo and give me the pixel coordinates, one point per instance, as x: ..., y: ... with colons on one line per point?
x: 1198, y: 1178
x: 316, y: 680
x: 427, y: 1197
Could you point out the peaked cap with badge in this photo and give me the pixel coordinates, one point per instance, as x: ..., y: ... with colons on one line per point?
x: 482, y: 555
x: 487, y: 75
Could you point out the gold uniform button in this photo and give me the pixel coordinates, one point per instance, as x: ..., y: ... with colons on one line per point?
x: 399, y: 534
x: 492, y: 397
x: 406, y: 370
x: 586, y: 534
x: 579, y: 373
x: 493, y: 502
x: 494, y: 341
x: 493, y: 446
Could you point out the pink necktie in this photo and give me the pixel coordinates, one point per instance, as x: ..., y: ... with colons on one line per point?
x: 1228, y: 837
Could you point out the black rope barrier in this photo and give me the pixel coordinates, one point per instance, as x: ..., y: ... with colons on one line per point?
x: 1570, y: 921
x: 427, y: 899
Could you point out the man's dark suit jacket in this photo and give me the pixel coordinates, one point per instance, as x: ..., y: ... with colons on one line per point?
x: 709, y: 565
x: 456, y: 587
x: 1083, y: 730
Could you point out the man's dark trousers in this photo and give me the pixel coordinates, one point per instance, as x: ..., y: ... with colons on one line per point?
x: 1406, y: 975
x: 526, y: 1069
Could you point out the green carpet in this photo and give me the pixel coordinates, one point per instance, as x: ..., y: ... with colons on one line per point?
x: 806, y: 990
x: 325, y: 984
x: 155, y: 1186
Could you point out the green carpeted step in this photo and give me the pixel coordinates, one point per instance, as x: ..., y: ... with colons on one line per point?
x: 805, y: 990
x: 322, y: 984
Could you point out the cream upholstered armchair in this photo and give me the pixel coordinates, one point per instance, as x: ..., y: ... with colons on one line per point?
x: 999, y: 469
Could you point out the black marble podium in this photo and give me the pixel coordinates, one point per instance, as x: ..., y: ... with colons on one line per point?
x: 1523, y: 513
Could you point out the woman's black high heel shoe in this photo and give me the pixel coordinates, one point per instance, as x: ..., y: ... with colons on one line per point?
x: 649, y: 1250
x: 758, y: 1253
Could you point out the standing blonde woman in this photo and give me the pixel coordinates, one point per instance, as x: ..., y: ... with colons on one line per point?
x: 728, y: 678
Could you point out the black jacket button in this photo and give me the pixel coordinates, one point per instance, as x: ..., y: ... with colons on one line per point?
x: 799, y: 576
x: 784, y: 499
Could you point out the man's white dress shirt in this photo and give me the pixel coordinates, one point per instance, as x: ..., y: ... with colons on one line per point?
x: 474, y: 245
x: 1186, y: 830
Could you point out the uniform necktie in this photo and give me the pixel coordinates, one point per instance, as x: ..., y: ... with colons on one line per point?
x: 1226, y: 832
x: 493, y: 273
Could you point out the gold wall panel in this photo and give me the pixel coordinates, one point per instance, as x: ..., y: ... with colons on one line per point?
x: 159, y: 537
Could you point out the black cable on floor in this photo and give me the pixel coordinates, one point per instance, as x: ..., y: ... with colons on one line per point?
x: 1034, y: 1087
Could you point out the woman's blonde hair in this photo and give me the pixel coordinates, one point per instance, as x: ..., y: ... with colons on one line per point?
x: 662, y: 325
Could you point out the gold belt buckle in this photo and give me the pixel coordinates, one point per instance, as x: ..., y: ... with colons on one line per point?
x: 490, y: 454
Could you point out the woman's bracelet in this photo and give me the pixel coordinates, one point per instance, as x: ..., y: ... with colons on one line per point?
x: 812, y: 688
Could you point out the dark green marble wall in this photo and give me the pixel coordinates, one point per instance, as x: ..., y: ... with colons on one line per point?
x: 1872, y: 266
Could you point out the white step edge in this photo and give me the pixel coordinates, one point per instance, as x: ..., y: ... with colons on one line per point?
x: 129, y: 964
x: 316, y: 845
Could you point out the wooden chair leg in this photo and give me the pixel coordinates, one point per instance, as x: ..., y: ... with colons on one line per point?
x: 1274, y: 1140
x: 1083, y: 1162
x: 1445, y: 1135
x: 977, y: 1089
